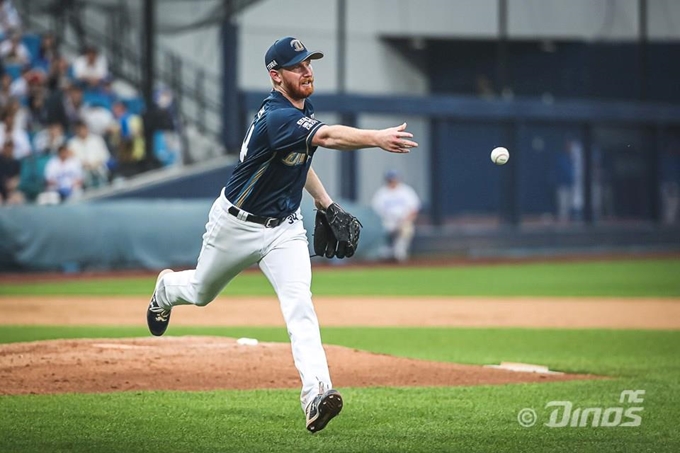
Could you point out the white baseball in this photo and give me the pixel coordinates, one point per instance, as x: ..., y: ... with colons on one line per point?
x: 500, y: 155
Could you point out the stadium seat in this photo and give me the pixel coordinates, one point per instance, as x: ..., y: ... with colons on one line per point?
x: 32, y: 43
x: 97, y: 99
x: 14, y: 70
x: 166, y: 147
x: 134, y: 105
x: 32, y: 176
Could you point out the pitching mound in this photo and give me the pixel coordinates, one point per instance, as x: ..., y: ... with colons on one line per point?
x: 208, y: 363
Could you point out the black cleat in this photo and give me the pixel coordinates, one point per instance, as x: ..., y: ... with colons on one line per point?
x: 158, y: 318
x: 322, y: 409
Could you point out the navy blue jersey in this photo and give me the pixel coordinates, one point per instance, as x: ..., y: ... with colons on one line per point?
x: 275, y: 157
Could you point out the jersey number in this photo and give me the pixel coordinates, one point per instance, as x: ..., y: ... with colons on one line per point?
x: 244, y: 145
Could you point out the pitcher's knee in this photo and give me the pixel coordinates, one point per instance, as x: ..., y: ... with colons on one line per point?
x: 203, y: 299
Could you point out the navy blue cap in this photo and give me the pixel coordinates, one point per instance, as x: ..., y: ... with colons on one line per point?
x: 287, y: 52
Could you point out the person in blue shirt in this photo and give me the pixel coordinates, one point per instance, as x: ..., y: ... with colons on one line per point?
x: 256, y: 218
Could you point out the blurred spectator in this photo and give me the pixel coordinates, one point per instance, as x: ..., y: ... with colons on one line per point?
x: 64, y: 107
x: 10, y: 170
x: 13, y: 51
x: 484, y: 87
x: 569, y: 191
x: 9, y: 18
x: 64, y: 177
x: 91, y: 151
x: 397, y: 204
x: 19, y: 86
x: 49, y: 139
x: 670, y: 201
x: 670, y: 182
x: 20, y: 113
x: 58, y: 76
x: 91, y: 69
x: 29, y: 81
x: 565, y: 184
x: 5, y: 96
x: 48, y: 52
x: 600, y: 187
x: 164, y: 103
x: 578, y: 201
x: 127, y: 139
x: 17, y: 136
x: 37, y: 111
x: 108, y: 94
x: 98, y: 118
x: 162, y: 126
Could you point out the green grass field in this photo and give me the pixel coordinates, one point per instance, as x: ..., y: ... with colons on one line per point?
x: 388, y: 419
x: 639, y: 278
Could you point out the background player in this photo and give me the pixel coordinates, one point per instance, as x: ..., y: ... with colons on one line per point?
x: 256, y: 218
x: 397, y: 204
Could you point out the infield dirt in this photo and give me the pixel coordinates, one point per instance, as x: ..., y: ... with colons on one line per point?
x: 205, y: 363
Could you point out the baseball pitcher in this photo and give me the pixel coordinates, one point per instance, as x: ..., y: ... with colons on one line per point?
x: 256, y: 219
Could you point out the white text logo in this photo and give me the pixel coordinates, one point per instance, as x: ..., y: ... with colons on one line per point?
x: 565, y: 414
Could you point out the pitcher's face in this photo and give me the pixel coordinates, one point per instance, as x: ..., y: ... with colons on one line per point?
x: 298, y: 80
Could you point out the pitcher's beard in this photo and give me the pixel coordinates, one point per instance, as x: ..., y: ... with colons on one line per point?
x: 300, y: 91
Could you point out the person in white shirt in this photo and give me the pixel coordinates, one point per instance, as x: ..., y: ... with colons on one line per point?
x: 64, y: 175
x: 49, y: 139
x: 20, y: 113
x: 99, y: 119
x: 9, y: 18
x: 92, y: 152
x: 397, y: 204
x: 20, y: 138
x: 91, y: 68
x: 13, y: 51
x: 29, y: 80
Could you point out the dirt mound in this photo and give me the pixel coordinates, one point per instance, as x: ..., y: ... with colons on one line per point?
x: 208, y: 363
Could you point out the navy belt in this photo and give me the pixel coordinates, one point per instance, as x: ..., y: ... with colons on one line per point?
x: 268, y: 222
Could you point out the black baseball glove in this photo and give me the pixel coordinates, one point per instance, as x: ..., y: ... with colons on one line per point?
x: 336, y: 232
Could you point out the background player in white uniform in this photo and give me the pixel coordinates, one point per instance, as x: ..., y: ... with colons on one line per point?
x: 256, y: 218
x: 397, y: 204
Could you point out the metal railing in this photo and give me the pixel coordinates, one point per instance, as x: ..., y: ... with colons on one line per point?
x: 197, y: 92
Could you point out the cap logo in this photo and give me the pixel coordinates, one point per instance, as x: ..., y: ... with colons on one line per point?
x: 297, y: 45
x: 271, y: 65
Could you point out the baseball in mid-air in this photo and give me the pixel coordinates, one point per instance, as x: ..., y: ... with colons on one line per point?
x: 500, y: 155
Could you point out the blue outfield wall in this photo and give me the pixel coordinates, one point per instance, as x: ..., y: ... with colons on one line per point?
x: 126, y: 234
x: 629, y: 152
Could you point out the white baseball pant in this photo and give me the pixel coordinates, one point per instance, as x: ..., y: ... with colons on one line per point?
x: 231, y: 245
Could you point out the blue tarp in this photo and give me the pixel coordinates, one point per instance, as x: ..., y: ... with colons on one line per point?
x: 125, y: 234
